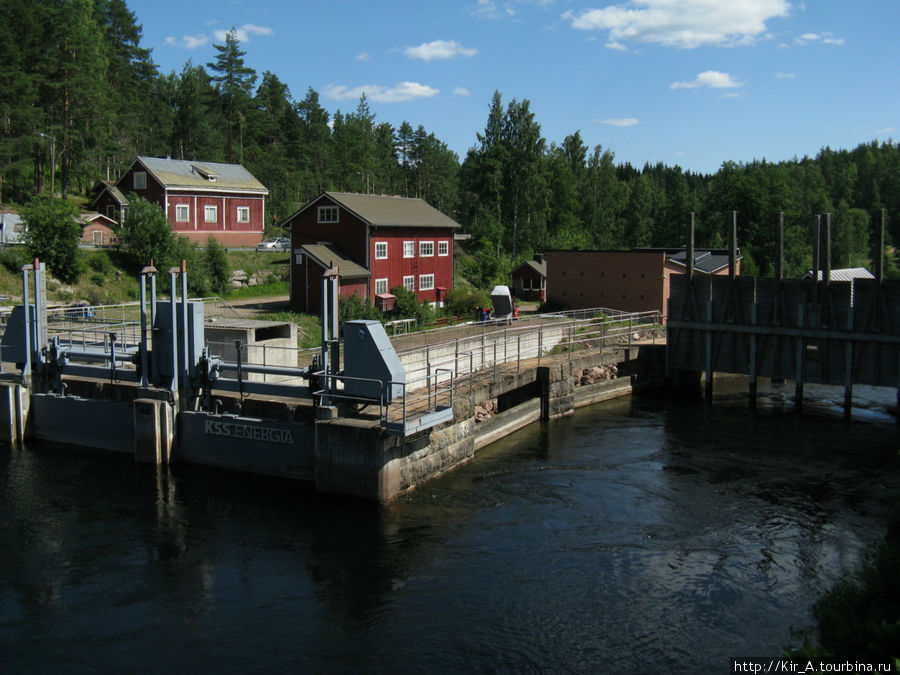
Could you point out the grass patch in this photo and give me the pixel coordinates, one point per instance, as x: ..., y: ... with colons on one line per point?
x: 309, y: 327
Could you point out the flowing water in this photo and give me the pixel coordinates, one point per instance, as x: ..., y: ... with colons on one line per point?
x: 636, y: 536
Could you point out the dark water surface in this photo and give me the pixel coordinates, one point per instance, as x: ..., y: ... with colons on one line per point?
x: 634, y: 536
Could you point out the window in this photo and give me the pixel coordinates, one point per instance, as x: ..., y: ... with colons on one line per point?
x: 426, y: 282
x: 409, y: 249
x: 426, y: 249
x: 381, y: 286
x: 111, y: 211
x: 443, y: 248
x: 210, y: 214
x: 140, y: 180
x: 381, y: 250
x: 243, y: 214
x: 409, y: 283
x: 328, y: 214
x: 182, y: 213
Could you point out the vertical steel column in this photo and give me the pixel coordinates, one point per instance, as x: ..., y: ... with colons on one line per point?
x: 26, y: 366
x: 154, y: 348
x: 173, y: 315
x: 185, y: 359
x: 732, y: 248
x: 817, y: 266
x: 143, y: 347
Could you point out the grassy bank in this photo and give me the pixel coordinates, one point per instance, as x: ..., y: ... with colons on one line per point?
x: 106, y: 279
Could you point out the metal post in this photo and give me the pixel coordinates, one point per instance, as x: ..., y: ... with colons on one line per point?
x: 185, y: 330
x: 732, y: 248
x: 817, y: 240
x: 143, y: 347
x: 239, y: 348
x: 26, y: 366
x: 173, y: 314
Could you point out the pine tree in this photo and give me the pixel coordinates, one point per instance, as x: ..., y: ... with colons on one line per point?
x: 234, y: 83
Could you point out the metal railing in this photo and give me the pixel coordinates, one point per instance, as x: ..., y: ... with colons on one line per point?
x: 550, y: 338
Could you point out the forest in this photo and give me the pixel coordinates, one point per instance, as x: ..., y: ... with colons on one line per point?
x: 80, y: 98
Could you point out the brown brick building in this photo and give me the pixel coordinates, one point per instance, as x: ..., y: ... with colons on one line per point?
x: 631, y: 281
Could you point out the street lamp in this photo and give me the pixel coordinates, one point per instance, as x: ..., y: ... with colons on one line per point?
x: 52, y: 161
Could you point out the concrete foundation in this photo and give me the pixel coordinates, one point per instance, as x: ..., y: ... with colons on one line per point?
x: 348, y: 456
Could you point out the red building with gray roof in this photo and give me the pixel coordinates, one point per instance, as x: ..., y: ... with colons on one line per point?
x: 199, y: 198
x: 398, y: 241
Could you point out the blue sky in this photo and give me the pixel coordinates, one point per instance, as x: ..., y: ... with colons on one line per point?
x: 687, y: 82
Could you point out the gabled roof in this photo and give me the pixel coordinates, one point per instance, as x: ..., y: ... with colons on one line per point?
x: 87, y: 218
x: 187, y: 174
x: 847, y: 274
x: 327, y: 255
x: 385, y: 211
x: 705, y: 262
x: 110, y: 187
x: 539, y: 267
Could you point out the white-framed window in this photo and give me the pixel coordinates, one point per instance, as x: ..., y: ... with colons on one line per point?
x: 243, y: 214
x: 381, y: 250
x: 210, y: 214
x: 443, y: 248
x: 409, y: 249
x: 140, y: 180
x: 381, y: 286
x: 426, y: 249
x: 328, y: 214
x: 426, y: 282
x: 182, y: 213
x: 409, y: 283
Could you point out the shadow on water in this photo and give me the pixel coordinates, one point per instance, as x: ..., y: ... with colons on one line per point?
x: 639, y: 534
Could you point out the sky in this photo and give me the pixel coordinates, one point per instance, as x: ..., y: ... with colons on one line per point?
x: 692, y: 83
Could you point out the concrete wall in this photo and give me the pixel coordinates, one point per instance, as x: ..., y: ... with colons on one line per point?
x: 262, y: 446
x: 92, y: 423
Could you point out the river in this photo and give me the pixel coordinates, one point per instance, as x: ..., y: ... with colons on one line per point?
x: 639, y: 535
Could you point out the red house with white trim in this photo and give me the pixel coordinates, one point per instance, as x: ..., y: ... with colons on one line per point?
x: 399, y: 241
x: 199, y: 198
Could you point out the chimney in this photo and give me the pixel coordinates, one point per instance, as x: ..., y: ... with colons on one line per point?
x: 538, y: 258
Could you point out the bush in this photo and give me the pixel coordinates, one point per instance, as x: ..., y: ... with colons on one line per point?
x: 99, y: 262
x: 464, y: 301
x: 147, y: 236
x: 53, y: 235
x: 14, y: 258
x: 354, y: 307
x: 408, y: 306
x: 216, y: 266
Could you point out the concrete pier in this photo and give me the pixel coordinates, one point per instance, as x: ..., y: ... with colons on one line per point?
x: 343, y: 455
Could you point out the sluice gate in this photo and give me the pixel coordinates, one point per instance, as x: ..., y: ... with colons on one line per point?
x: 810, y: 330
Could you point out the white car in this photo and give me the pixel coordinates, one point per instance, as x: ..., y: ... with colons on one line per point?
x: 275, y: 244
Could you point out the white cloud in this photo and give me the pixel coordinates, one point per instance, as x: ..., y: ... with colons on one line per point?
x: 710, y: 78
x: 490, y: 9
x: 439, y: 49
x: 244, y: 32
x: 619, y: 122
x: 363, y: 56
x: 400, y: 92
x: 785, y: 76
x: 682, y: 23
x: 461, y: 91
x: 188, y: 41
x: 824, y: 38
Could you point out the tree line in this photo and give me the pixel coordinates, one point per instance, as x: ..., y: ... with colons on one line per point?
x: 81, y: 98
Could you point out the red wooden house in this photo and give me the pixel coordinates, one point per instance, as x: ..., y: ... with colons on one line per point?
x: 199, y: 198
x: 399, y: 241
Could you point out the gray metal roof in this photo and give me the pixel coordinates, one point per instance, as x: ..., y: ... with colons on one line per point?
x: 183, y: 173
x: 846, y: 274
x: 539, y: 267
x: 329, y: 254
x: 705, y: 262
x: 387, y: 211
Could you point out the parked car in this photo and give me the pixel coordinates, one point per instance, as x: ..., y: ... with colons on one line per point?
x: 274, y: 244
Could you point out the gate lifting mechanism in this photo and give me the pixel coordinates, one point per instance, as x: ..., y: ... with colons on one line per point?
x: 171, y: 354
